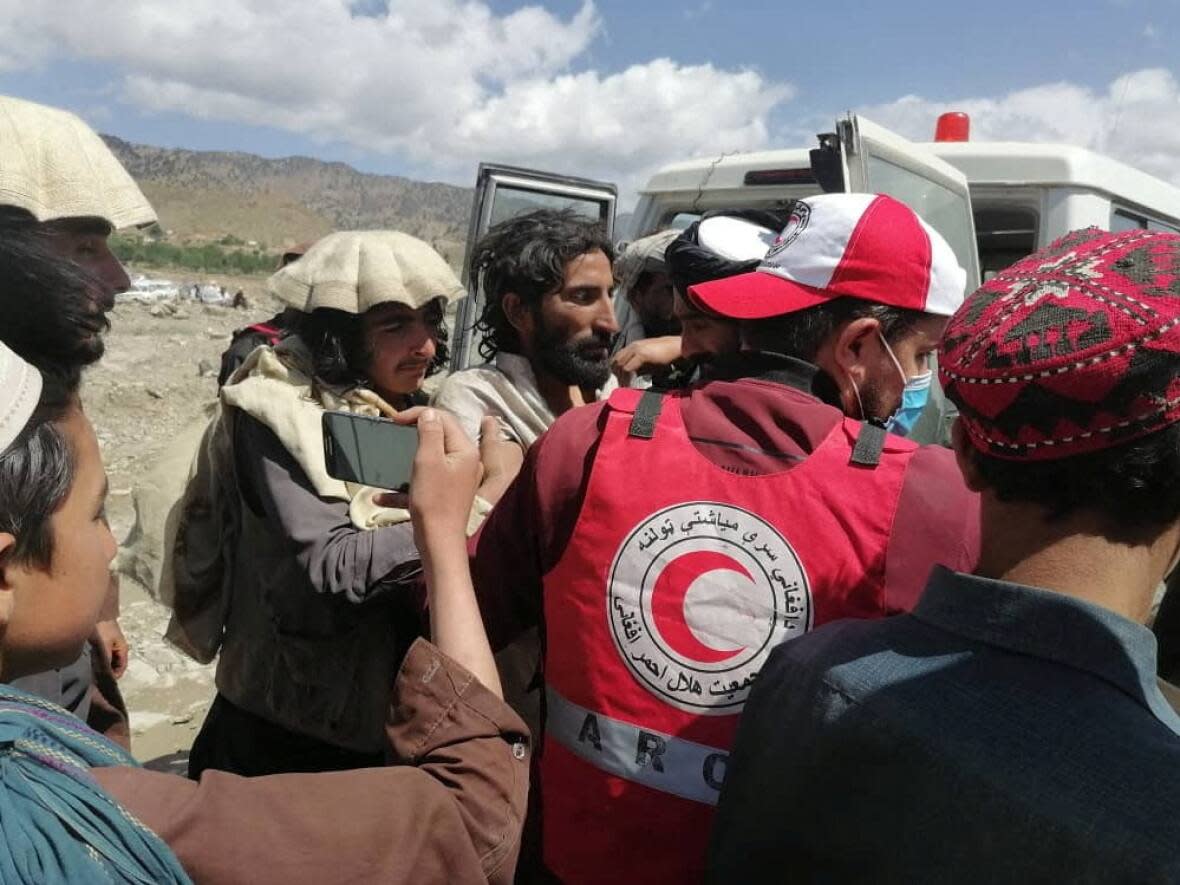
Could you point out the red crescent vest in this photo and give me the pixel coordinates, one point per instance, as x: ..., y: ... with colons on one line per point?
x: 679, y: 579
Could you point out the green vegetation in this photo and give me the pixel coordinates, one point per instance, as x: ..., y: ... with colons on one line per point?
x: 208, y: 257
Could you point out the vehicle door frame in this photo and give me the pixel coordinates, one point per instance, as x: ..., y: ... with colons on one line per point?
x: 861, y: 140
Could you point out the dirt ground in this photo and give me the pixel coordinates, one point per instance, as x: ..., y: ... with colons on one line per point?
x: 158, y: 374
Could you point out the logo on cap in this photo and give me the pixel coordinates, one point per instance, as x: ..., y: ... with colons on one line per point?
x: 697, y: 596
x: 796, y: 224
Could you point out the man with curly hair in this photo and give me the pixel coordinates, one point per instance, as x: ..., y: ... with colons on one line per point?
x: 547, y: 324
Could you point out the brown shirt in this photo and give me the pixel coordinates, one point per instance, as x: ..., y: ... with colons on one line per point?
x: 450, y: 812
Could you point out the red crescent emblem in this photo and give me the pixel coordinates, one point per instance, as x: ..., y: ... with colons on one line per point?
x: 667, y: 603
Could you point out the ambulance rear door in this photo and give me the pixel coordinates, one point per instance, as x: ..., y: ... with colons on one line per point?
x: 878, y: 161
x: 502, y: 192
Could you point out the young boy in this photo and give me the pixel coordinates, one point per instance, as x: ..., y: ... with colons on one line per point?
x: 77, y: 809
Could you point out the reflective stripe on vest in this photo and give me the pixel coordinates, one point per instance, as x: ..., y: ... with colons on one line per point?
x: 660, y: 761
x: 679, y: 579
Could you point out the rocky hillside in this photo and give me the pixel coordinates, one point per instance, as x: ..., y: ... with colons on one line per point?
x: 279, y: 202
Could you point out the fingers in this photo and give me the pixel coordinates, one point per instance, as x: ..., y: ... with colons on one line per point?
x: 399, y: 500
x: 455, y: 438
x: 431, y: 437
x: 624, y: 357
x: 119, y: 655
x: 489, y: 431
x: 439, y: 434
x: 408, y: 416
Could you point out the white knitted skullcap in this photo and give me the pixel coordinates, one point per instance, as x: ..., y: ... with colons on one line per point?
x: 20, y: 391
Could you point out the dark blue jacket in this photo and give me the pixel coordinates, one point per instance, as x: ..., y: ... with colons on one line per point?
x: 999, y: 733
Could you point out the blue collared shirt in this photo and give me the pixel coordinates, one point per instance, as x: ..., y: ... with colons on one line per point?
x: 999, y: 733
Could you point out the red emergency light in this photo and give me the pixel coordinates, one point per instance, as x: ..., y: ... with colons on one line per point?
x: 778, y: 176
x: 952, y: 126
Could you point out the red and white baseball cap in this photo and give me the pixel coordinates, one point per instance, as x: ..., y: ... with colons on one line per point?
x: 865, y: 246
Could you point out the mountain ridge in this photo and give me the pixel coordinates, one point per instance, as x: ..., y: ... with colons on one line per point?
x: 277, y: 202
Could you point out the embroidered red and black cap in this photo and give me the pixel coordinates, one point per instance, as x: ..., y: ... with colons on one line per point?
x: 1074, y: 349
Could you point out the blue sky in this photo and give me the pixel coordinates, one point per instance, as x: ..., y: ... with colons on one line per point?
x: 430, y: 96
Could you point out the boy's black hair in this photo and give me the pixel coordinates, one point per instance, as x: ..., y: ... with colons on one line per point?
x: 1134, y: 487
x: 36, y: 474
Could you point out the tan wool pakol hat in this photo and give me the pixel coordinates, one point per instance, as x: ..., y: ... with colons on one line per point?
x: 646, y: 253
x: 55, y: 166
x: 353, y: 271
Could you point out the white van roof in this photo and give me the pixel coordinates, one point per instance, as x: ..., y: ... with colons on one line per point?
x: 728, y: 172
x: 1057, y: 165
x: 1012, y: 163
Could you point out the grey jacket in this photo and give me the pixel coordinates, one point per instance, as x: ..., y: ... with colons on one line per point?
x: 319, y: 615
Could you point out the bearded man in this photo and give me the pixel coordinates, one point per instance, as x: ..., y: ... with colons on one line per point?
x: 547, y: 324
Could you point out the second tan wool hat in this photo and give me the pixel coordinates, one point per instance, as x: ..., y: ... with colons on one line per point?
x: 55, y: 166
x: 353, y: 271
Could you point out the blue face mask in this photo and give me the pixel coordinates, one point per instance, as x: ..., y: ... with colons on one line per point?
x: 914, y: 397
x: 913, y: 401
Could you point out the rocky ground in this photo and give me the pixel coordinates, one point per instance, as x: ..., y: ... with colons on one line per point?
x: 157, y: 377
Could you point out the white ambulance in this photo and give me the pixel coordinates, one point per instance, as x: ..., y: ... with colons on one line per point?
x: 993, y: 202
x: 1022, y: 195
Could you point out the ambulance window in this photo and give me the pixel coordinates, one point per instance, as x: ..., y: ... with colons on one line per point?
x: 1121, y: 220
x: 940, y: 207
x: 1005, y: 235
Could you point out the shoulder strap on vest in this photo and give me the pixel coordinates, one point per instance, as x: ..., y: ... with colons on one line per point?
x: 267, y: 331
x: 869, y: 442
x: 647, y: 413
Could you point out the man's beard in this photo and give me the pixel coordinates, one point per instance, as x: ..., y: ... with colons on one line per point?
x: 90, y: 322
x: 575, y: 361
x: 874, y: 402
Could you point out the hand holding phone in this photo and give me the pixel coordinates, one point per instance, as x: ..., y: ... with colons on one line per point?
x: 447, y: 471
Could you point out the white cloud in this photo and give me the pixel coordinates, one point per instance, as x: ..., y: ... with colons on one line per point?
x: 1136, y: 118
x: 442, y: 83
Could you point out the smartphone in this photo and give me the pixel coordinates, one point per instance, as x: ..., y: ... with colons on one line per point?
x: 369, y: 451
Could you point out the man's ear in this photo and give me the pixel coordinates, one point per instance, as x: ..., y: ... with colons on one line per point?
x: 518, y: 314
x: 7, y: 545
x: 965, y: 457
x: 848, y: 347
